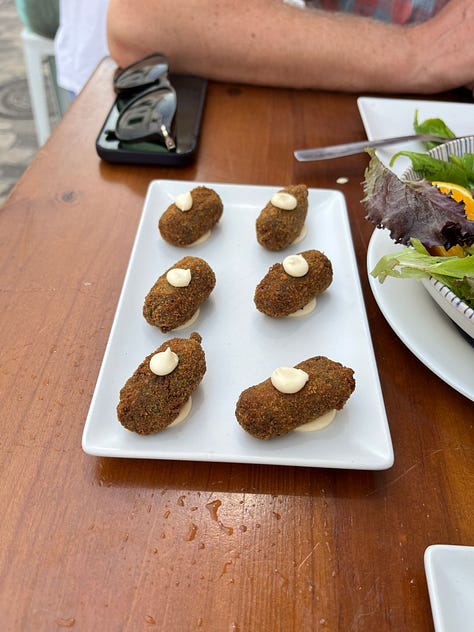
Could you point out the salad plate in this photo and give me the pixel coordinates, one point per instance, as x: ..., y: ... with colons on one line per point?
x: 243, y: 346
x: 406, y: 303
x: 394, y: 117
x: 420, y: 324
x: 450, y: 577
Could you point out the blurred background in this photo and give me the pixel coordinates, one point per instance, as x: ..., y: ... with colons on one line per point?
x: 18, y: 142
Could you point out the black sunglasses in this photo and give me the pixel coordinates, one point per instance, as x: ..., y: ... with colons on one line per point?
x: 147, y: 102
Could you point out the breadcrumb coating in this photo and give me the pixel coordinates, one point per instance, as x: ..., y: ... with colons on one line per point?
x: 265, y: 413
x: 168, y: 307
x: 278, y: 294
x: 150, y: 403
x: 183, y: 228
x: 277, y: 228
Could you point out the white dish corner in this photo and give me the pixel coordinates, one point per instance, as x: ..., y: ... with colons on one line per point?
x: 386, y: 117
x: 449, y: 573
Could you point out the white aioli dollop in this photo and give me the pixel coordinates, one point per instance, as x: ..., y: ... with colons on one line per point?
x: 295, y: 265
x: 164, y: 362
x: 305, y: 310
x: 285, y: 201
x: 201, y: 239
x: 289, y: 380
x: 183, y: 413
x: 301, y: 236
x: 317, y: 424
x: 184, y: 201
x: 189, y: 322
x: 179, y: 277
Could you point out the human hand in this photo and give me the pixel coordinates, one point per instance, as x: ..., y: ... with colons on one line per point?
x: 442, y: 49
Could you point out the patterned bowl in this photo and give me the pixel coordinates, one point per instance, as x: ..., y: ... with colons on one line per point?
x: 452, y: 305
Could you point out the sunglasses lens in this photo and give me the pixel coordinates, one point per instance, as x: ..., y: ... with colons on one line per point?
x: 148, y: 115
x: 152, y: 69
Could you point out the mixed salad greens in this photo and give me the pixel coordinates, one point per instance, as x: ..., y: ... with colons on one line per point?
x: 423, y: 218
x: 457, y: 273
x: 434, y: 126
x: 459, y: 169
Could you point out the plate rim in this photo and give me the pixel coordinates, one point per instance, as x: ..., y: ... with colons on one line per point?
x: 375, y: 241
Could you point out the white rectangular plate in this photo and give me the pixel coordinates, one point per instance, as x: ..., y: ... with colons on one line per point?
x: 450, y: 577
x: 384, y: 118
x: 243, y: 346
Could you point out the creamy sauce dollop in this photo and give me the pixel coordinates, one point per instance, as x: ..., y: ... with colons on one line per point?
x: 295, y: 265
x: 179, y: 277
x: 164, y: 362
x: 288, y: 379
x: 284, y: 201
x: 305, y: 310
x: 183, y: 413
x: 189, y: 322
x: 301, y: 236
x: 201, y: 239
x: 184, y: 201
x: 317, y: 424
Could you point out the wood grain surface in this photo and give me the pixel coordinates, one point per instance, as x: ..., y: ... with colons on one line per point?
x: 91, y: 543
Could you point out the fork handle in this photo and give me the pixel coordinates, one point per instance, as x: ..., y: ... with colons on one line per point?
x: 348, y: 149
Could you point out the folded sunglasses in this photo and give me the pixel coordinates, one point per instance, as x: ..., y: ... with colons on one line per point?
x: 147, y: 102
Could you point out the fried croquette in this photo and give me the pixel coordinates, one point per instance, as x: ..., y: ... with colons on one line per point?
x: 149, y: 402
x: 167, y: 306
x: 277, y: 228
x: 266, y: 413
x: 278, y: 294
x: 184, y: 227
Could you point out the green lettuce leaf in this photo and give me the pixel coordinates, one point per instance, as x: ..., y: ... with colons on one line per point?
x: 457, y: 273
x: 458, y: 171
x: 465, y: 162
x: 435, y: 126
x: 413, y: 209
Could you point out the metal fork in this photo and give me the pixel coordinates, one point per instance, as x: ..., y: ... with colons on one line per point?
x: 348, y: 149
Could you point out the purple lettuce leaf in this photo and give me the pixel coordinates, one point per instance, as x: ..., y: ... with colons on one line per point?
x: 414, y: 209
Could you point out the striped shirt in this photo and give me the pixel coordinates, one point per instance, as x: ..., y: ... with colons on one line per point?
x: 396, y: 11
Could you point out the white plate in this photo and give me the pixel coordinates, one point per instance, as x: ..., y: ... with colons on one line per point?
x: 425, y: 329
x: 404, y: 302
x: 383, y: 118
x: 450, y: 577
x: 242, y: 345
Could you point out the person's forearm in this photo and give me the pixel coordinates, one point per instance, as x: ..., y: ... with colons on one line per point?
x: 264, y: 42
x: 267, y: 42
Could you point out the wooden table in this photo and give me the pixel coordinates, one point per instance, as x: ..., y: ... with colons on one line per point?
x: 120, y: 544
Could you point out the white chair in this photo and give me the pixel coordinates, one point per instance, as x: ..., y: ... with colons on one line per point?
x: 36, y: 50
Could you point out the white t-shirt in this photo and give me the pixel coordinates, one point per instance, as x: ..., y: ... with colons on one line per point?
x: 80, y: 41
